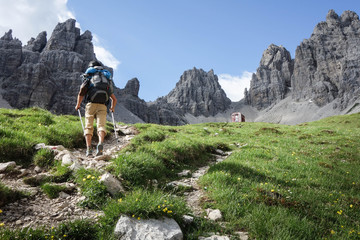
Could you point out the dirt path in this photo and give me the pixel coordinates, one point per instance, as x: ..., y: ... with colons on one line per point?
x: 38, y: 209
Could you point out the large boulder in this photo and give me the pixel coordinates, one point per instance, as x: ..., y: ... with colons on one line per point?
x: 128, y: 228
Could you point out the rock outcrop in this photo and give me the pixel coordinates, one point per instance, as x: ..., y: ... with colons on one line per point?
x: 327, y: 66
x: 272, y: 80
x: 45, y: 73
x: 10, y: 55
x: 198, y: 93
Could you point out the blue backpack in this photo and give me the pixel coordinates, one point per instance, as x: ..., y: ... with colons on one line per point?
x: 100, y: 85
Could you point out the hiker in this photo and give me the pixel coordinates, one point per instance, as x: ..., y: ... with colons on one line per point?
x: 97, y: 88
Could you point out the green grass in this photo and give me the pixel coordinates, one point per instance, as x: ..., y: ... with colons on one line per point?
x: 94, y: 191
x: 44, y: 158
x: 51, y: 190
x: 281, y: 182
x: 21, y: 130
x: 79, y: 230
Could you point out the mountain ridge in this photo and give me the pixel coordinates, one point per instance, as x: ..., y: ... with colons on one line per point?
x: 324, y: 74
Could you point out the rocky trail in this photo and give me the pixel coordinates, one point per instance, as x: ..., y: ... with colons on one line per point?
x: 39, y: 210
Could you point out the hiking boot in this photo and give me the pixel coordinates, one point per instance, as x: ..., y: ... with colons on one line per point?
x: 89, y: 152
x: 99, y: 149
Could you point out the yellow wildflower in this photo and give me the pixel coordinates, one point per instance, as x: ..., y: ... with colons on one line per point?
x: 351, y: 205
x: 272, y: 190
x: 332, y: 231
x: 139, y: 218
x: 339, y: 212
x: 84, y: 179
x: 169, y: 211
x: 159, y: 206
x: 65, y: 235
x: 120, y: 200
x: 2, y: 224
x: 133, y: 216
x: 238, y: 179
x: 89, y: 176
x: 92, y: 177
x: 1, y: 211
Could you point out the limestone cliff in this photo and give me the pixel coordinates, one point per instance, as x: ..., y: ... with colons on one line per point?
x: 198, y: 93
x: 272, y: 80
x: 327, y: 66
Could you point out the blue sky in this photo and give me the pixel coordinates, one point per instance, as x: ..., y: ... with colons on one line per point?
x: 157, y: 40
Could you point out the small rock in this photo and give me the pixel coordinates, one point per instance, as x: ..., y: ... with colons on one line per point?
x: 18, y: 222
x: 39, y: 146
x: 188, y: 219
x: 38, y: 169
x: 214, y: 215
x: 63, y: 195
x: 5, y: 166
x: 220, y: 152
x: 112, y: 184
x: 67, y: 159
x: 184, y: 173
x: 75, y: 166
x: 177, y: 184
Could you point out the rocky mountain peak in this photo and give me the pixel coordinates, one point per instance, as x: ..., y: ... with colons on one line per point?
x: 64, y: 36
x: 198, y: 93
x: 327, y: 66
x: 10, y: 54
x: 272, y: 80
x: 274, y: 56
x: 38, y: 44
x: 7, y: 36
x: 132, y: 87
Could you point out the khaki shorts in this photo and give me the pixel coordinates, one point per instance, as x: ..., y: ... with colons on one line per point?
x: 93, y: 110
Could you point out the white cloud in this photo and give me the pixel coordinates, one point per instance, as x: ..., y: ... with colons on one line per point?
x: 234, y: 86
x: 104, y: 55
x: 27, y: 18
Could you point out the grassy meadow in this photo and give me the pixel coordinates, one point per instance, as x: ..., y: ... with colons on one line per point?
x: 280, y: 182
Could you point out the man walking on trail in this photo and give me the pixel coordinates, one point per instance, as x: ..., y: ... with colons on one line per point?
x: 98, y: 89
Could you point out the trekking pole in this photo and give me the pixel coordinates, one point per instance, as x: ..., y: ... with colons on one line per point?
x: 112, y: 115
x: 82, y: 125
